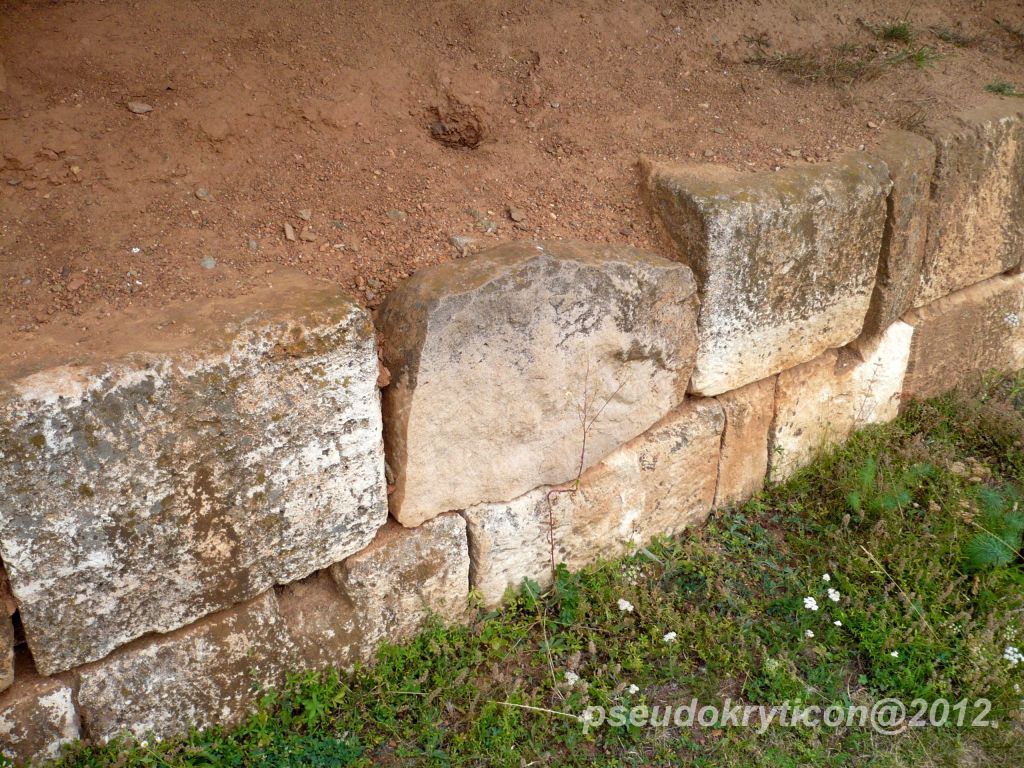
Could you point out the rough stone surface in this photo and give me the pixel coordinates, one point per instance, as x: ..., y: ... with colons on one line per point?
x: 820, y: 403
x: 911, y: 160
x: 493, y: 357
x: 7, y: 609
x: 658, y: 483
x: 961, y: 337
x: 145, y: 491
x: 976, y: 224
x: 37, y: 717
x: 206, y: 674
x: 785, y: 261
x: 383, y: 594
x: 743, y: 466
x: 6, y: 652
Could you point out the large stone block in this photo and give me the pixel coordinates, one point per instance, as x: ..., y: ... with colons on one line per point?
x: 209, y: 673
x: 785, y: 261
x: 743, y: 466
x: 963, y: 336
x: 910, y: 159
x: 142, y: 491
x: 497, y: 360
x: 385, y: 593
x: 976, y: 224
x: 820, y: 403
x: 657, y: 484
x: 37, y: 718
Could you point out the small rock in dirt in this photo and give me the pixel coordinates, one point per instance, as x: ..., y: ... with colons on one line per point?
x: 516, y: 214
x: 139, y: 107
x: 208, y: 262
x: 307, y: 235
x: 289, y: 232
x: 487, y: 226
x: 396, y: 215
x: 253, y: 245
x: 203, y: 194
x: 305, y: 214
x: 374, y: 283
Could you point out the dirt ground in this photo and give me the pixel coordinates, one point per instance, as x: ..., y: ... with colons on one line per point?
x: 161, y: 150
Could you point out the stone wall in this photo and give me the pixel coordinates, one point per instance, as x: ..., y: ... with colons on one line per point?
x: 284, y: 482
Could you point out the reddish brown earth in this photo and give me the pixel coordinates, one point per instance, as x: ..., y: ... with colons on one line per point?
x: 359, y: 112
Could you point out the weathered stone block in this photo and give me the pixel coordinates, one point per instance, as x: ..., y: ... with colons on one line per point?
x: 785, y: 261
x: 976, y: 224
x: 143, y: 491
x: 658, y: 483
x: 959, y: 338
x: 385, y: 593
x: 821, y: 403
x: 910, y: 159
x: 407, y: 575
x: 37, y: 718
x: 497, y: 359
x: 209, y: 673
x: 743, y: 466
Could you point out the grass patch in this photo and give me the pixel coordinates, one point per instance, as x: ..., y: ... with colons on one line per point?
x: 889, y: 517
x: 957, y: 38
x: 1003, y: 88
x: 896, y: 32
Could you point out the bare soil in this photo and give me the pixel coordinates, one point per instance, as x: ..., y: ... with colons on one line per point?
x: 154, y: 151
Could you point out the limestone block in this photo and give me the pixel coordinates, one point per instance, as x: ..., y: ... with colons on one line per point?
x: 144, y: 490
x: 911, y: 160
x: 976, y: 224
x: 657, y: 484
x: 785, y: 261
x: 743, y: 466
x: 37, y: 718
x: 495, y: 360
x: 821, y: 403
x: 209, y: 673
x: 385, y: 593
x: 965, y: 335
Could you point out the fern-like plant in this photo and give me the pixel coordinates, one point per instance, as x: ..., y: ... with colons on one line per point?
x: 870, y: 496
x: 1001, y: 527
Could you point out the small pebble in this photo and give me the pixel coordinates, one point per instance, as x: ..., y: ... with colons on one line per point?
x: 305, y: 214
x: 203, y: 194
x: 139, y: 107
x: 516, y: 214
x: 208, y: 262
x: 307, y: 235
x: 289, y: 232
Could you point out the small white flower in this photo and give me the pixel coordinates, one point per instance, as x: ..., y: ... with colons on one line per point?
x: 669, y: 637
x: 571, y: 677
x: 826, y: 577
x: 894, y: 654
x: 810, y: 604
x: 1013, y: 655
x: 143, y: 743
x: 633, y: 689
x: 136, y: 249
x: 838, y: 623
x: 808, y: 634
x: 625, y: 606
x: 833, y: 595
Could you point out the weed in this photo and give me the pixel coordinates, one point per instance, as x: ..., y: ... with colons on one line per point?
x: 959, y: 39
x: 896, y: 32
x: 1003, y: 88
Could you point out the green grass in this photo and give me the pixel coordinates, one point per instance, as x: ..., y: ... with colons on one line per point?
x: 887, y: 516
x: 1003, y: 88
x: 896, y: 32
